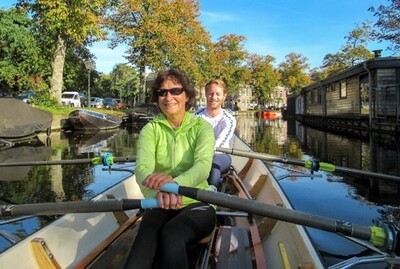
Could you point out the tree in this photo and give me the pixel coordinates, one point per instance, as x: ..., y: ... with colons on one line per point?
x: 388, y: 23
x: 229, y: 59
x: 160, y: 33
x: 353, y: 52
x: 293, y: 72
x: 124, y: 81
x: 66, y: 23
x: 21, y: 63
x: 263, y: 77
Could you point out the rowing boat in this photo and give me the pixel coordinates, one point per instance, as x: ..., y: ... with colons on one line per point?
x: 242, y: 238
x: 87, y: 240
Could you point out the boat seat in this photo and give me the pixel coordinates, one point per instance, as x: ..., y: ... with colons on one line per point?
x: 233, y: 248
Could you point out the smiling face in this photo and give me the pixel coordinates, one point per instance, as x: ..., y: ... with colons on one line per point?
x: 173, y: 106
x: 215, y: 97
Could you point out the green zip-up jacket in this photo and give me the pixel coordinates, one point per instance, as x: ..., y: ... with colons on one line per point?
x: 185, y: 153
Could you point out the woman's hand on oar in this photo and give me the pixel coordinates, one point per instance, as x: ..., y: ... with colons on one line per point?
x: 106, y: 160
x: 61, y: 208
x: 310, y: 164
x: 378, y: 236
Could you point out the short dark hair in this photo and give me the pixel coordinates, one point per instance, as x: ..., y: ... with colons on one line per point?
x: 175, y: 75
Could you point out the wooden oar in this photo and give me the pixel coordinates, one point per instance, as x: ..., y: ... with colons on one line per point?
x: 61, y: 208
x: 97, y: 160
x: 376, y: 235
x: 314, y: 166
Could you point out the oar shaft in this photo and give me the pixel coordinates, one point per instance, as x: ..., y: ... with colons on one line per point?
x: 330, y: 167
x: 62, y: 208
x: 261, y: 156
x: 271, y: 211
x: 366, y: 173
x: 63, y: 162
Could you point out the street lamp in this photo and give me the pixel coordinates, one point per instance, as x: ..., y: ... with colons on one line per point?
x: 90, y: 65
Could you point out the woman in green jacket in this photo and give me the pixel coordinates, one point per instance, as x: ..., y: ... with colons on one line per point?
x: 176, y: 146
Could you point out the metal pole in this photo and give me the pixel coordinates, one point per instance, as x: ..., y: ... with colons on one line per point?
x: 90, y: 65
x: 88, y: 97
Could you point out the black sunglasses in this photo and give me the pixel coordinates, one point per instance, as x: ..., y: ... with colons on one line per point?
x: 173, y: 91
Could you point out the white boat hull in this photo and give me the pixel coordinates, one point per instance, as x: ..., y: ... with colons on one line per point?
x: 72, y: 237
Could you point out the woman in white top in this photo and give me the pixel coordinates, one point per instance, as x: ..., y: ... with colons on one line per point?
x: 224, y: 124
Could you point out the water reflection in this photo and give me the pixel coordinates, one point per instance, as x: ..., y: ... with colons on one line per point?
x: 44, y: 183
x: 360, y: 200
x: 30, y: 150
x: 291, y: 139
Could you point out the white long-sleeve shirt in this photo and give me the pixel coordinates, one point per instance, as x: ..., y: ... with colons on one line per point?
x: 224, y: 125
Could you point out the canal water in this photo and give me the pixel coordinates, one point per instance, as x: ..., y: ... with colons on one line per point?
x: 344, y: 197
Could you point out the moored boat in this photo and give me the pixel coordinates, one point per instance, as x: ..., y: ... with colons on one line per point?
x: 141, y: 114
x: 19, y: 121
x: 83, y: 119
x: 269, y: 114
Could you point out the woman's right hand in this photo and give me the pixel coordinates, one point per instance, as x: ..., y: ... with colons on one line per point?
x: 169, y: 200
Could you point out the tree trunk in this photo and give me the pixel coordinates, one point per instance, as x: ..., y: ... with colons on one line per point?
x: 56, y: 82
x: 142, y: 92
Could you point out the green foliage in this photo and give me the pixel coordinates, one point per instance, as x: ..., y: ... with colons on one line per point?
x: 388, y: 23
x: 353, y: 52
x: 264, y: 78
x: 293, y: 72
x: 229, y: 58
x: 124, y: 81
x: 66, y: 23
x: 20, y: 56
x: 161, y: 33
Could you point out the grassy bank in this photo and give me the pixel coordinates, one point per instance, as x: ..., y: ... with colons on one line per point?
x: 63, y: 111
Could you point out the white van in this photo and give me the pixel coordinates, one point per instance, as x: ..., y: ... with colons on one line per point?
x: 71, y: 99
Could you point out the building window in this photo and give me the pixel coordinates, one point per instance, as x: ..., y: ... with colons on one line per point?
x: 319, y: 98
x: 343, y: 89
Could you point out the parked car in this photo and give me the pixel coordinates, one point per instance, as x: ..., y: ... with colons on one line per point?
x: 121, y: 104
x: 3, y: 94
x: 71, y: 99
x: 26, y: 96
x: 96, y: 102
x: 110, y: 103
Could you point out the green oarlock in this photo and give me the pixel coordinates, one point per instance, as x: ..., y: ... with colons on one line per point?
x: 378, y: 236
x: 97, y: 160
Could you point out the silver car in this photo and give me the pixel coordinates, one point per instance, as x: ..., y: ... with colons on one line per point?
x: 96, y: 102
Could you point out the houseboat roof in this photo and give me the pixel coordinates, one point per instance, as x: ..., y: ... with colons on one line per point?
x: 374, y: 63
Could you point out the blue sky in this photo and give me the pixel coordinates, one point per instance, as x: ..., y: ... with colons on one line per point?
x: 312, y: 28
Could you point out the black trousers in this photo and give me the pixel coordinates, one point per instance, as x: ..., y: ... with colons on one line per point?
x: 165, y: 235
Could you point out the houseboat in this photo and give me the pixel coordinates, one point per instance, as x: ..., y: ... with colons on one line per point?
x: 365, y: 97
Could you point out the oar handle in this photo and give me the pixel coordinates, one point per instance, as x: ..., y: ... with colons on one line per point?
x: 62, y: 208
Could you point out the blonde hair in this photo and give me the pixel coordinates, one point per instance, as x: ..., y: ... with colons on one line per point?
x: 220, y: 83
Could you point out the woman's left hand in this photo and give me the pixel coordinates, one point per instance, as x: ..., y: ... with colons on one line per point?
x: 157, y: 180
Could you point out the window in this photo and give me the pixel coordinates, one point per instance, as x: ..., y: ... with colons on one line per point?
x: 343, y: 89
